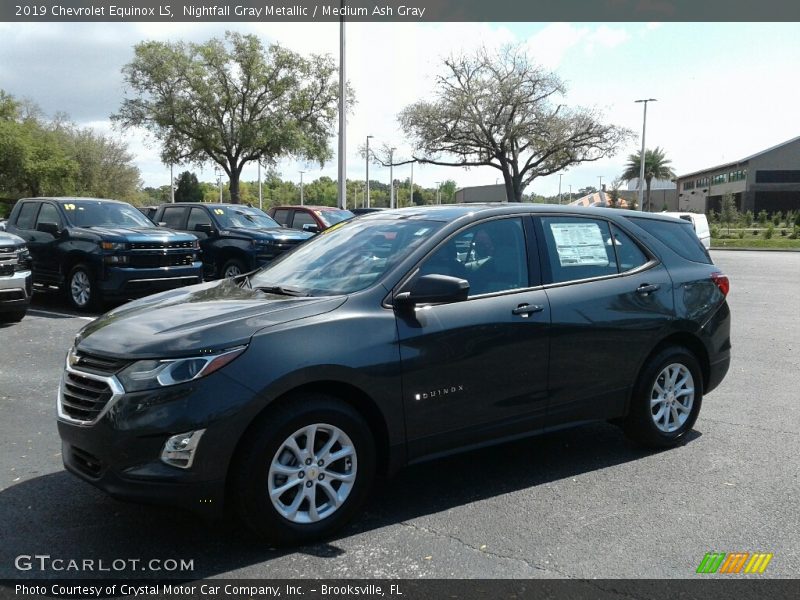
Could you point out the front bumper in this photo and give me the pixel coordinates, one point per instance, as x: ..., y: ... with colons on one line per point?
x: 15, y: 291
x: 129, y: 282
x: 121, y: 452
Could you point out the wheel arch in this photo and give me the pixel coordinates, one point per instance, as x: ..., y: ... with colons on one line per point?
x: 686, y: 340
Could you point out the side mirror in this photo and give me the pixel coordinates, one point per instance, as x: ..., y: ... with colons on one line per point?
x: 51, y: 228
x: 162, y: 223
x: 206, y: 228
x: 433, y: 289
x: 311, y: 228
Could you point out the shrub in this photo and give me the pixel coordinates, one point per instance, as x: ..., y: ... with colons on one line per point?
x: 741, y: 234
x: 768, y: 233
x: 783, y: 233
x: 762, y: 217
x: 755, y: 231
x: 747, y: 218
x: 795, y: 233
x: 776, y: 218
x: 714, y: 231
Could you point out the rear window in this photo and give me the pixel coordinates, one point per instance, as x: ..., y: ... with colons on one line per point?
x: 680, y: 237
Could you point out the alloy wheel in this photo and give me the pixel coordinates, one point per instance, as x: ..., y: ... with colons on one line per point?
x: 312, y: 473
x: 80, y: 288
x: 672, y: 397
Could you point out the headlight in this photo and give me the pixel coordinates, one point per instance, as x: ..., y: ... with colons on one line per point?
x: 23, y: 259
x: 150, y: 374
x: 262, y: 243
x: 114, y: 245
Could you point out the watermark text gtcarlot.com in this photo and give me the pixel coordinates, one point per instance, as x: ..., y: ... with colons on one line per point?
x: 48, y: 563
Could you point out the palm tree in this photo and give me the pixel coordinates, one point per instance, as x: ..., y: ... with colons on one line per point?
x: 656, y: 165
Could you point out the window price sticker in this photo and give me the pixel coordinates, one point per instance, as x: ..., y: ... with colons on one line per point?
x: 579, y: 244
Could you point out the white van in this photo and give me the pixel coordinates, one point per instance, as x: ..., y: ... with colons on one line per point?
x: 698, y: 221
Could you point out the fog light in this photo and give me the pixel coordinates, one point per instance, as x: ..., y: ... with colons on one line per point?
x: 179, y: 449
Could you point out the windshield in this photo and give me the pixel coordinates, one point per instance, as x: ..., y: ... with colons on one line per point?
x: 347, y: 259
x: 243, y: 216
x: 331, y: 217
x: 88, y: 213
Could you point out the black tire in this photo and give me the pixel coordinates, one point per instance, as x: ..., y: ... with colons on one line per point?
x: 640, y: 425
x: 235, y: 266
x: 84, y: 275
x: 250, y: 478
x: 13, y: 317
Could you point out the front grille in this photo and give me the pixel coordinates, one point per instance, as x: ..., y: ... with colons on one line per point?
x: 97, y: 364
x: 10, y: 295
x: 83, y: 398
x: 161, y: 245
x: 6, y: 270
x: 86, y: 462
x: 152, y: 261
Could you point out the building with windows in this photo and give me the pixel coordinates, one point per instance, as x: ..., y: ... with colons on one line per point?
x: 768, y: 180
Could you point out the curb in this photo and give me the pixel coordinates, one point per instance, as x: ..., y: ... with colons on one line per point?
x: 755, y: 249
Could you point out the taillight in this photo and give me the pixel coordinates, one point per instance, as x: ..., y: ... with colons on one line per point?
x: 722, y: 282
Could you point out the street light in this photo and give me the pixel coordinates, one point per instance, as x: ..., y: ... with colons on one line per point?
x: 642, y: 156
x: 391, y: 177
x: 171, y: 185
x: 438, y: 185
x: 301, y: 188
x: 600, y: 177
x: 218, y: 174
x: 559, y: 188
x: 342, y: 117
x: 368, y: 137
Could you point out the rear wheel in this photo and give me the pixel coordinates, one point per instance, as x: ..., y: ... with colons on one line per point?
x: 82, y: 290
x: 666, y: 399
x: 304, y: 470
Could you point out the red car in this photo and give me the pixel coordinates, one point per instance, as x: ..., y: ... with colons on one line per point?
x: 309, y: 218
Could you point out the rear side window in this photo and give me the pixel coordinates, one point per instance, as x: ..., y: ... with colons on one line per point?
x: 27, y: 215
x: 174, y: 217
x: 281, y: 216
x: 578, y: 248
x: 680, y: 237
x: 629, y: 255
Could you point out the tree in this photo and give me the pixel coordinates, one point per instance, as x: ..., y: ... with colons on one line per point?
x: 231, y: 102
x: 728, y: 212
x: 656, y: 165
x: 105, y: 166
x: 188, y: 188
x: 503, y: 111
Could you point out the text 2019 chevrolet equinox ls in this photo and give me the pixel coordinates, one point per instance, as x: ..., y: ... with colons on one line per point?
x: 394, y: 338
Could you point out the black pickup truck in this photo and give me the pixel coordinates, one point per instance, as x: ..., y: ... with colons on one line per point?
x: 102, y: 249
x: 235, y: 238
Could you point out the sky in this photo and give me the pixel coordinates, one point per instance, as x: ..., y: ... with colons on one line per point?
x: 723, y: 90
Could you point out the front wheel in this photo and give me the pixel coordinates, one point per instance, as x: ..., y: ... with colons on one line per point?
x: 233, y: 268
x: 81, y: 288
x: 666, y: 399
x: 304, y: 470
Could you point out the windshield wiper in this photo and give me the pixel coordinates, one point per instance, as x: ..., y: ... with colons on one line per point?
x: 281, y: 290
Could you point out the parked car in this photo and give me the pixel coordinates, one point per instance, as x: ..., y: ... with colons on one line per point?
x: 95, y: 249
x: 309, y: 218
x: 148, y: 211
x: 365, y: 210
x: 235, y: 239
x: 392, y: 339
x: 15, y: 277
x: 699, y: 223
x: 2, y: 224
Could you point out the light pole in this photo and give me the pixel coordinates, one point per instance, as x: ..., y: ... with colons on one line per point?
x: 438, y: 185
x: 368, y: 137
x: 600, y: 177
x: 559, y: 188
x: 260, y: 196
x: 301, y: 188
x: 391, y: 177
x: 642, y: 155
x: 342, y: 117
x: 570, y: 192
x: 411, y: 193
x: 171, y: 185
x: 218, y: 173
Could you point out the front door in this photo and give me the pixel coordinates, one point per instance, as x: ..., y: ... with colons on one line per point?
x: 477, y: 369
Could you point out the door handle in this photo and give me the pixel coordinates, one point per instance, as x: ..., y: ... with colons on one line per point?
x: 526, y: 309
x: 646, y: 289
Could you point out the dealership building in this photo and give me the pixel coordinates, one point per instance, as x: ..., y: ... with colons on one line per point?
x: 768, y: 180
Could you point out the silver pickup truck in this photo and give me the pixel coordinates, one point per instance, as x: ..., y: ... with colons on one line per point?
x: 15, y: 277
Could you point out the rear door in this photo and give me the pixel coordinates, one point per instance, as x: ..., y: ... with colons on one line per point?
x: 476, y: 370
x: 609, y: 299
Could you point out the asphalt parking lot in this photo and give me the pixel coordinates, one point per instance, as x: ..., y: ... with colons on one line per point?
x: 582, y: 503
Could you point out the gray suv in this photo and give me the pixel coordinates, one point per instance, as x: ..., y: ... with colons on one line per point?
x: 15, y: 277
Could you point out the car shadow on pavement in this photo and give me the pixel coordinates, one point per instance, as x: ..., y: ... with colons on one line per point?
x: 61, y: 516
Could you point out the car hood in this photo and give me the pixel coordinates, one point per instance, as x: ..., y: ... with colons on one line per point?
x: 143, y: 234
x: 272, y: 233
x: 9, y: 239
x: 209, y: 316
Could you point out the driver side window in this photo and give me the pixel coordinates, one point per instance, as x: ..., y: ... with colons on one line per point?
x: 491, y: 256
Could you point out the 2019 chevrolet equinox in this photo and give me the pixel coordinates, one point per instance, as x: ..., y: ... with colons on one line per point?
x: 394, y: 338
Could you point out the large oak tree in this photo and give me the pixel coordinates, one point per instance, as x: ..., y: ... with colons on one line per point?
x: 231, y: 102
x: 499, y: 109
